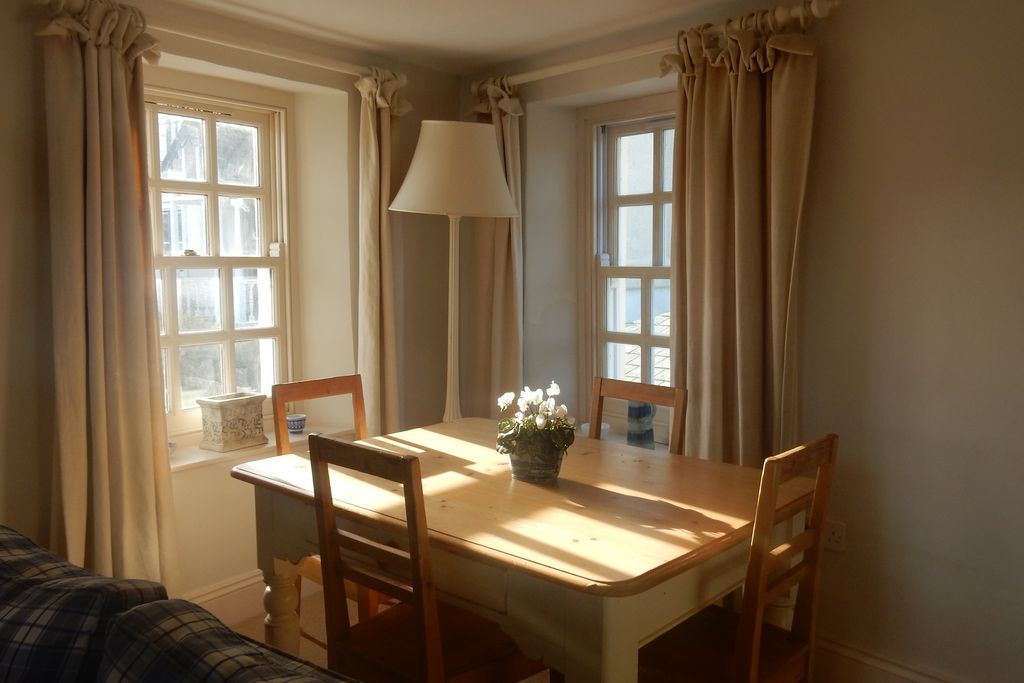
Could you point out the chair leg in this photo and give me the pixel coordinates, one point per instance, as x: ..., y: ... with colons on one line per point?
x: 368, y: 602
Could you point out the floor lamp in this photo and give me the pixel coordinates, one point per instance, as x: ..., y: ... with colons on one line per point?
x: 455, y: 172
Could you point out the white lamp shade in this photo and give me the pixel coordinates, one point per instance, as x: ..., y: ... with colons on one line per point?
x: 456, y: 171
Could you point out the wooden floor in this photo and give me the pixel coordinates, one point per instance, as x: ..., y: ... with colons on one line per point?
x: 313, y: 622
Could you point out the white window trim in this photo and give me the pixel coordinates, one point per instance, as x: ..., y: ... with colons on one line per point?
x: 589, y: 120
x: 270, y: 119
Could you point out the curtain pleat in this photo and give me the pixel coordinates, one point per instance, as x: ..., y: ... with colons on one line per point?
x: 744, y: 116
x: 112, y: 499
x: 376, y: 355
x: 492, y: 261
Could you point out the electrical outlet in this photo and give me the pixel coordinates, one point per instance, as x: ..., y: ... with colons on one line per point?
x: 835, y: 536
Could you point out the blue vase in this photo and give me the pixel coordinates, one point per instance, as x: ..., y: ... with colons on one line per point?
x: 640, y: 424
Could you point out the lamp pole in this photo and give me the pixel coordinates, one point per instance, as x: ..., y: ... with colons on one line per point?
x: 452, y: 401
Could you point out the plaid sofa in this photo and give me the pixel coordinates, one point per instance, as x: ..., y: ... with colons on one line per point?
x: 54, y: 615
x: 61, y: 623
x: 175, y: 641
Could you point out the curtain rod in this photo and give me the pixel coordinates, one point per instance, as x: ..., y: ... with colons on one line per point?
x: 327, y: 63
x: 781, y: 16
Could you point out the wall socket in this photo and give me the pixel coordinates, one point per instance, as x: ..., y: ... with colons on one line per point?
x: 835, y: 536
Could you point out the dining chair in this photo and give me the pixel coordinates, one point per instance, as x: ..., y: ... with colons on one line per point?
x: 673, y: 397
x: 305, y: 390
x: 717, y: 644
x: 420, y: 638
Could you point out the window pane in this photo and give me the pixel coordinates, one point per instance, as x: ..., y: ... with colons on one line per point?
x: 661, y: 301
x: 237, y: 151
x: 622, y: 361
x: 254, y: 365
x: 202, y: 372
x: 636, y: 235
x: 636, y: 164
x: 661, y: 366
x: 160, y: 301
x: 668, y: 139
x: 182, y: 147
x: 623, y: 304
x: 666, y: 234
x: 254, y: 297
x: 198, y: 299
x: 240, y: 226
x: 184, y: 217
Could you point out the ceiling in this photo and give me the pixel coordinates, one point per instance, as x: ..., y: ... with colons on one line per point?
x: 457, y: 36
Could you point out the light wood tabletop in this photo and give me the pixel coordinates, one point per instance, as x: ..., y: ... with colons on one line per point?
x: 618, y: 520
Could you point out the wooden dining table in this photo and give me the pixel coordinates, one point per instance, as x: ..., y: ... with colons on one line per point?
x: 581, y: 572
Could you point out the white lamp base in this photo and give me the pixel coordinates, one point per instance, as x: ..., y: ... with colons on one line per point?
x: 452, y: 400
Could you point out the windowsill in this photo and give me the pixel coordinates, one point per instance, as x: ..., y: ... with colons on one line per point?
x: 188, y: 455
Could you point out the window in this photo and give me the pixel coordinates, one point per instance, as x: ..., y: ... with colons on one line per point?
x: 633, y: 221
x: 214, y: 173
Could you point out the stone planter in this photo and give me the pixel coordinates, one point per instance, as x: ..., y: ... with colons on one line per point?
x: 232, y: 421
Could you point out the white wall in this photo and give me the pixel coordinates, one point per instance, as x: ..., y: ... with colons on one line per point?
x: 912, y: 325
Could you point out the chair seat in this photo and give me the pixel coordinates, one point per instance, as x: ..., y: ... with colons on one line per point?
x: 701, y: 650
x: 475, y: 649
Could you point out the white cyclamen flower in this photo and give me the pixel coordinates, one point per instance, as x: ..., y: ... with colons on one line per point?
x: 541, y: 420
x: 561, y: 411
x: 549, y: 406
x: 571, y: 420
x: 553, y: 390
x: 505, y: 400
x: 519, y: 415
x: 538, y: 396
x: 522, y: 403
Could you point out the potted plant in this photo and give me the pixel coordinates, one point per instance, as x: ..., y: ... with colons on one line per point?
x: 536, y: 437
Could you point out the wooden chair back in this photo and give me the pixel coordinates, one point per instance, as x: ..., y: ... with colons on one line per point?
x: 673, y: 397
x: 403, y: 574
x: 772, y: 569
x: 311, y: 389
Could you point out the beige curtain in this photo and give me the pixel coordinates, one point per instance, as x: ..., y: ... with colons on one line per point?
x: 112, y: 505
x: 492, y: 270
x: 376, y: 358
x: 745, y: 110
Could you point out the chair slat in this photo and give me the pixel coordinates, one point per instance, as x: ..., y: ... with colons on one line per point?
x: 393, y: 560
x: 310, y: 389
x: 791, y: 577
x: 366, y: 575
x: 672, y: 397
x: 784, y: 553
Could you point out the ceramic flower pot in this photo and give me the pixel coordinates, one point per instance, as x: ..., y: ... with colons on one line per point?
x: 537, y: 465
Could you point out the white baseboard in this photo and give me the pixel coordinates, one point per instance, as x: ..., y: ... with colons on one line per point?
x: 233, y: 600
x: 838, y: 663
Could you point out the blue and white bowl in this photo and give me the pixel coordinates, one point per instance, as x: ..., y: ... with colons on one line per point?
x: 296, y: 422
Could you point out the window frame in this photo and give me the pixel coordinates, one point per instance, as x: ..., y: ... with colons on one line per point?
x: 270, y: 190
x: 606, y: 228
x: 592, y: 201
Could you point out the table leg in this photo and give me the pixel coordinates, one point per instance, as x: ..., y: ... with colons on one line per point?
x: 280, y: 600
